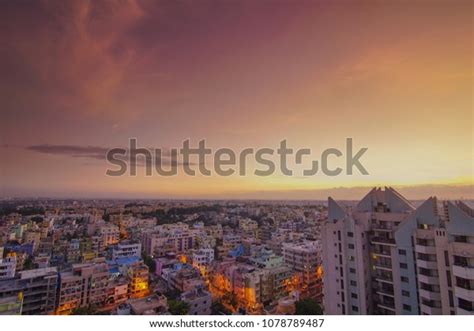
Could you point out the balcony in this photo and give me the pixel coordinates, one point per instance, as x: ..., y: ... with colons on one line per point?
x: 463, y: 271
x: 465, y: 310
x: 432, y: 280
x: 425, y: 249
x: 383, y: 278
x: 384, y: 291
x: 385, y: 303
x: 427, y: 264
x: 424, y: 234
x: 382, y: 227
x: 463, y: 249
x: 429, y: 295
x: 382, y: 265
x: 383, y: 241
x: 464, y: 293
x: 382, y: 252
x: 385, y: 309
x: 429, y: 310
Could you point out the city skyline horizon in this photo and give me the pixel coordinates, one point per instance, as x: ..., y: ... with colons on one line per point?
x: 414, y: 193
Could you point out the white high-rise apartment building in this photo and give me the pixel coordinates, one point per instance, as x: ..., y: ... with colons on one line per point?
x: 385, y: 257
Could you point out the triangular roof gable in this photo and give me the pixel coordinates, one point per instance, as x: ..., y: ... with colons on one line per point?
x: 335, y: 211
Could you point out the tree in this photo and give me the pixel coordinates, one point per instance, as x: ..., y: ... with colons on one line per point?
x: 308, y: 307
x: 149, y: 262
x: 37, y: 219
x: 172, y: 294
x: 89, y: 310
x: 217, y: 308
x: 28, y: 264
x: 231, y: 299
x: 177, y: 307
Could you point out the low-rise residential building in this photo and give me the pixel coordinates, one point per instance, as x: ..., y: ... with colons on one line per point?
x: 126, y: 249
x: 8, y: 267
x: 151, y: 305
x: 305, y: 258
x: 84, y: 286
x: 199, y: 301
x: 11, y: 305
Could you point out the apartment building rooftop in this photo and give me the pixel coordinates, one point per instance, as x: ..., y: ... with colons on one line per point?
x: 149, y: 305
x: 37, y: 272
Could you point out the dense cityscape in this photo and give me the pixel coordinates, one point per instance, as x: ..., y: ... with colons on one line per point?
x: 380, y: 255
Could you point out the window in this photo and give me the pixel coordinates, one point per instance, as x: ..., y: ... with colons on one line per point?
x: 451, y: 298
x: 354, y: 295
x: 404, y: 279
x: 350, y: 234
x: 403, y: 265
x: 402, y: 252
x: 460, y: 239
x: 448, y: 276
x: 352, y: 270
x: 351, y: 246
x: 351, y: 258
x: 446, y: 258
x: 353, y: 283
x: 405, y: 293
x: 407, y: 307
x: 355, y: 308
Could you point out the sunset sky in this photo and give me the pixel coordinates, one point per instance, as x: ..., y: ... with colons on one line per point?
x: 79, y: 77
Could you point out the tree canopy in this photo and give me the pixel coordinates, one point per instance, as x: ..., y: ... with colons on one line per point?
x: 308, y: 307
